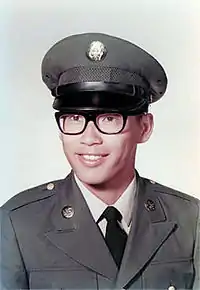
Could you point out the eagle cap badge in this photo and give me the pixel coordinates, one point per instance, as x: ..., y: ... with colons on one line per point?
x: 97, y: 51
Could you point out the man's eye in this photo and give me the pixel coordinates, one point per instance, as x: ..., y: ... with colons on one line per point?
x: 109, y: 118
x: 73, y: 118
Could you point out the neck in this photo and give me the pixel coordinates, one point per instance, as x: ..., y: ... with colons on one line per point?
x: 109, y: 192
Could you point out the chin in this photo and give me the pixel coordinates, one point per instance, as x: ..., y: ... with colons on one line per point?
x: 91, y: 178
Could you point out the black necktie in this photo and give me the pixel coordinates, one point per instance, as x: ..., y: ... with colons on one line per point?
x: 115, y: 236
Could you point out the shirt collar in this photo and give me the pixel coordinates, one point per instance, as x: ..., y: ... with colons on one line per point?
x: 124, y: 204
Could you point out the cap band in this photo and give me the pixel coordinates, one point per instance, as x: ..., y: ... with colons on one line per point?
x: 105, y: 74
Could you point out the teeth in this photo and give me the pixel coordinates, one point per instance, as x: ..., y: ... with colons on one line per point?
x: 92, y: 157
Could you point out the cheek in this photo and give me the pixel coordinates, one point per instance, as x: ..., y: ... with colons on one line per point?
x: 69, y: 144
x: 122, y: 147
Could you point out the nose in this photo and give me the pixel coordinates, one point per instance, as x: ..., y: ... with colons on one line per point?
x: 91, y: 135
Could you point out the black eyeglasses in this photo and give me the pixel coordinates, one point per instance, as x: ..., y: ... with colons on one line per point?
x: 73, y: 123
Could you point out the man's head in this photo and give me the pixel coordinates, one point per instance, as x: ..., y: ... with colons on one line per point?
x: 102, y: 86
x: 99, y: 158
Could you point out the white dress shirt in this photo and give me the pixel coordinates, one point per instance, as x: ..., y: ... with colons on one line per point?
x: 124, y: 204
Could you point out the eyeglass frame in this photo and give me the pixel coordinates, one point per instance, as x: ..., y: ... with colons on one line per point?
x: 90, y: 116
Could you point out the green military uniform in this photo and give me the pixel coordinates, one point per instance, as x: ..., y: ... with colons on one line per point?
x: 49, y: 239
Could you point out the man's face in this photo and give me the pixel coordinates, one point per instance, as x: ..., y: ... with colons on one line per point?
x: 97, y: 158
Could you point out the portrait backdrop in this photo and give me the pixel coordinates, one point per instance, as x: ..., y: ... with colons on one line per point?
x: 31, y: 151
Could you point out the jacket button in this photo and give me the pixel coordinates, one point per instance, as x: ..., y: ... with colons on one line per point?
x: 171, y: 288
x: 67, y: 212
x: 50, y: 186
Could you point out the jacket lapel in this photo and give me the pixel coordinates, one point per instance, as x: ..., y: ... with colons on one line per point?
x: 79, y: 237
x: 150, y: 229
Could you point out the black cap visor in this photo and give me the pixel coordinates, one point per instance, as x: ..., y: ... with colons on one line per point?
x: 101, y: 97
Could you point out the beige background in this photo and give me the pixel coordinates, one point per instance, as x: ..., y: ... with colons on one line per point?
x: 30, y: 148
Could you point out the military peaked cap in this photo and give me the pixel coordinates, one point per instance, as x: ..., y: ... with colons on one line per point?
x: 95, y: 71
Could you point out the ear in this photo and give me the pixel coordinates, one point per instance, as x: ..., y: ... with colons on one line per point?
x: 147, y: 124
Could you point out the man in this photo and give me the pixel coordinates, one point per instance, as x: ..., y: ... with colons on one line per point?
x: 103, y: 226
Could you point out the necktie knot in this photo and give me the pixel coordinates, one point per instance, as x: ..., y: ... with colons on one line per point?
x: 111, y: 214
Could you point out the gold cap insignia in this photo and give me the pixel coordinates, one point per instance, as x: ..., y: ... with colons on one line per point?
x: 97, y: 51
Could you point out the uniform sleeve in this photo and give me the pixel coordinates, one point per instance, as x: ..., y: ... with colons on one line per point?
x: 197, y: 255
x: 12, y: 270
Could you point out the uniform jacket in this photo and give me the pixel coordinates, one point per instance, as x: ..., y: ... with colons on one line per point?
x: 42, y: 249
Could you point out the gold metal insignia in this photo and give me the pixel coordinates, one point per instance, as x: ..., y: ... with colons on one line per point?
x: 97, y: 51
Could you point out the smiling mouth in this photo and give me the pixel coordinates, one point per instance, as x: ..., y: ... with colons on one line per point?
x: 92, y: 157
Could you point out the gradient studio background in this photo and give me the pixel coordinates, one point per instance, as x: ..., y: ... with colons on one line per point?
x: 31, y: 152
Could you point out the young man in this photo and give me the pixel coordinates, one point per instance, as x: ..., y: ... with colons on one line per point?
x: 103, y: 226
